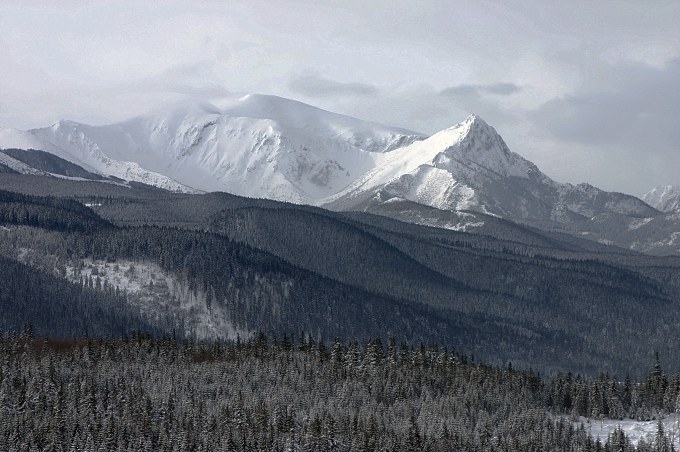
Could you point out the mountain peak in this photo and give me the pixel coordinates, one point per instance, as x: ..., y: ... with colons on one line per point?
x: 475, y: 145
x: 475, y: 124
x: 269, y: 102
x: 472, y: 118
x: 63, y: 123
x: 471, y: 124
x: 258, y: 145
x: 473, y: 128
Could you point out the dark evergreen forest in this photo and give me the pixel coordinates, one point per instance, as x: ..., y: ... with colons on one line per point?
x: 110, y: 273
x: 541, y: 301
x: 142, y: 393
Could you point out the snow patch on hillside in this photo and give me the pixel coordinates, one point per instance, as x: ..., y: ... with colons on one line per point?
x: 634, y: 430
x: 158, y: 295
x: 462, y: 222
x: 637, y: 223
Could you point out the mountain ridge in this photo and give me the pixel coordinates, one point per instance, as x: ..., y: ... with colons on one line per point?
x: 264, y: 146
x: 259, y: 146
x: 665, y: 198
x: 469, y: 167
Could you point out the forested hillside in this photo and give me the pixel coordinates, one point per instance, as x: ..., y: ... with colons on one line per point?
x: 252, y: 289
x: 549, y: 295
x: 298, y: 394
x: 217, y: 265
x: 53, y: 307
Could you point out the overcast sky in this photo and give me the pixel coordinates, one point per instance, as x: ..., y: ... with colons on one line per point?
x: 588, y: 90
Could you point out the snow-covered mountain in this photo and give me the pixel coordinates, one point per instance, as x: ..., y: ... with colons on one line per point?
x: 469, y: 167
x: 664, y: 197
x: 270, y: 147
x: 446, y: 171
x: 259, y: 146
x: 68, y: 140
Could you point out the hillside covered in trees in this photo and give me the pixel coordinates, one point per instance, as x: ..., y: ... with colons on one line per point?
x: 169, y: 320
x: 265, y: 394
x: 217, y: 265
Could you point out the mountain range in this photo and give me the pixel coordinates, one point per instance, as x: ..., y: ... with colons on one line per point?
x: 266, y: 146
x: 272, y: 215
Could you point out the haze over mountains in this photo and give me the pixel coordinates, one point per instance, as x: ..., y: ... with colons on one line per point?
x: 270, y: 147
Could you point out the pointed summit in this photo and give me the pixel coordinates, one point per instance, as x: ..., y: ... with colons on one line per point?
x: 472, y: 125
x: 473, y: 118
x: 462, y: 167
x: 475, y: 125
x: 474, y: 143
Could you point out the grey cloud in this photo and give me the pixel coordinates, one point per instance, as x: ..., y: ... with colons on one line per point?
x: 456, y: 92
x: 200, y: 92
x: 639, y: 108
x: 630, y: 117
x: 423, y: 108
x: 502, y: 89
x: 316, y: 86
x: 467, y: 91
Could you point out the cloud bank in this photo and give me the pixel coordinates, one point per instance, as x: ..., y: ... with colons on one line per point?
x: 586, y: 90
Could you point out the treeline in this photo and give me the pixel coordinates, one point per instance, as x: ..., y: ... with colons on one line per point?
x: 141, y: 393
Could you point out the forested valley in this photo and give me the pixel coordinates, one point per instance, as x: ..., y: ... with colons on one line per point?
x: 141, y: 319
x: 215, y: 265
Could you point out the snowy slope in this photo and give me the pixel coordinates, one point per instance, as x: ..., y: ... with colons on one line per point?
x: 17, y: 165
x: 258, y: 146
x: 76, y: 143
x: 469, y: 167
x: 664, y: 197
x: 67, y: 140
x: 635, y: 430
x: 14, y: 138
x: 270, y: 147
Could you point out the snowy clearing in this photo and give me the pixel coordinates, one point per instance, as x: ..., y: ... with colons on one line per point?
x: 634, y: 430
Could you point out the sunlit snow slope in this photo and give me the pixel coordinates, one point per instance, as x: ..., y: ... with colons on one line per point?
x: 469, y: 167
x: 259, y: 146
x: 270, y: 147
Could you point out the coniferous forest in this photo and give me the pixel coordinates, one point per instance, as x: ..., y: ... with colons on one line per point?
x: 141, y: 393
x: 137, y: 319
